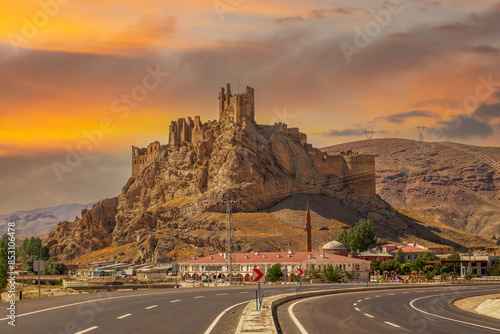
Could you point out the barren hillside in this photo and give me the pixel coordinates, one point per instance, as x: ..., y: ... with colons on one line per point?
x: 455, y: 184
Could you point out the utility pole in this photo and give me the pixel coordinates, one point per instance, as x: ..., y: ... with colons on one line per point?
x: 369, y: 133
x: 421, y: 129
x: 229, y: 254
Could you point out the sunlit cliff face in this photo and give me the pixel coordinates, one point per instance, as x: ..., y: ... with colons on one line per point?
x: 126, y: 69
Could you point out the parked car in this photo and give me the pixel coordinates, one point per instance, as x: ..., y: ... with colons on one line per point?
x: 205, y: 280
x: 190, y: 280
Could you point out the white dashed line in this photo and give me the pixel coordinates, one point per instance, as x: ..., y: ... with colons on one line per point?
x: 378, y: 296
x: 175, y: 301
x: 87, y: 330
x: 244, y: 292
x: 367, y: 298
x: 221, y: 294
x: 359, y: 301
x: 368, y: 315
x: 391, y: 294
x: 150, y: 307
x: 199, y: 297
x: 390, y: 323
x: 124, y: 316
x: 405, y: 293
x: 355, y: 304
x: 357, y: 309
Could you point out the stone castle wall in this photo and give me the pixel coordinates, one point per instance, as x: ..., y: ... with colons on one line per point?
x: 356, y: 172
x: 141, y: 157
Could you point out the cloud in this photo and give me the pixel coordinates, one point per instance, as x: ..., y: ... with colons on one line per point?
x: 343, y: 133
x: 481, y: 49
x: 441, y: 102
x: 462, y: 127
x: 401, y: 117
x: 30, y: 182
x: 488, y: 111
x: 316, y: 14
x: 497, y: 94
x: 289, y: 19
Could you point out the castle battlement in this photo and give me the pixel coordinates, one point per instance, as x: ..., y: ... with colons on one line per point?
x: 350, y: 169
x: 233, y: 108
x: 143, y: 156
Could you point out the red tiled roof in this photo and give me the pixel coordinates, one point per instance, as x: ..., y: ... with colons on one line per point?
x: 409, y: 249
x: 277, y: 257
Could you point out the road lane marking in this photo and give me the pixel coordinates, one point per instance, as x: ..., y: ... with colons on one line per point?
x: 441, y: 317
x: 359, y: 301
x: 367, y: 298
x: 214, y: 323
x: 175, y: 301
x: 390, y: 323
x: 221, y: 294
x: 124, y: 316
x: 87, y: 330
x: 355, y: 304
x: 199, y: 297
x: 150, y: 307
x: 357, y: 309
x: 86, y: 302
x: 391, y: 294
x: 244, y: 292
x: 294, y: 319
x: 368, y: 315
x: 378, y: 296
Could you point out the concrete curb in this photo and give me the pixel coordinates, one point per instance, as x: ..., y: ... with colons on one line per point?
x: 265, y: 320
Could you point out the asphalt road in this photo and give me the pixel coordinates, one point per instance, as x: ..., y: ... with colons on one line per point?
x: 185, y: 310
x: 421, y: 310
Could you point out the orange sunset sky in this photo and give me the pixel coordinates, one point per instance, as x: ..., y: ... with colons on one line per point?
x: 331, y: 68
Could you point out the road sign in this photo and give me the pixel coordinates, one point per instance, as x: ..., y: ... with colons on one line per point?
x: 376, y: 272
x: 257, y: 275
x: 301, y: 272
x: 38, y: 265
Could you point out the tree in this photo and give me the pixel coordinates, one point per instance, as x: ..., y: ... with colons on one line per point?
x: 343, y: 238
x: 314, y: 273
x: 495, y: 268
x: 332, y: 274
x: 4, y: 266
x: 55, y: 268
x: 375, y: 265
x: 362, y: 236
x: 494, y: 237
x: 274, y: 273
x: 388, y: 265
x: 406, y: 267
x: 349, y: 275
x: 422, y: 259
x: 44, y: 252
x: 400, y: 256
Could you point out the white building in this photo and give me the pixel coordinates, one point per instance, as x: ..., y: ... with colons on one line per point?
x: 215, y: 267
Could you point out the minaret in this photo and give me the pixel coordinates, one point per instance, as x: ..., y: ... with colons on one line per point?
x: 308, y: 229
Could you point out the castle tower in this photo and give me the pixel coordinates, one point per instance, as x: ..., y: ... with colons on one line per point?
x: 308, y: 230
x: 234, y: 107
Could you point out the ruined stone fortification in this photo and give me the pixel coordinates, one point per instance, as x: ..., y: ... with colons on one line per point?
x: 175, y: 194
x: 356, y: 171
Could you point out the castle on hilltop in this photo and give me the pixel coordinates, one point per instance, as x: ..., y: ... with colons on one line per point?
x: 358, y: 171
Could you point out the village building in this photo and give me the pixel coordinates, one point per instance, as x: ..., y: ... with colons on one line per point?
x: 215, y: 267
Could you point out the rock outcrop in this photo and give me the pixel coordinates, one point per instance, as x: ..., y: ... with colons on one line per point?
x: 455, y: 184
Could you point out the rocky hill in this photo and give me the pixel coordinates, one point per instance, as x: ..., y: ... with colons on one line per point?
x: 173, y: 209
x: 455, y: 184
